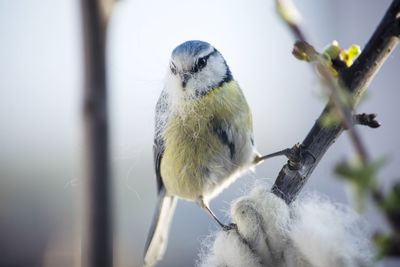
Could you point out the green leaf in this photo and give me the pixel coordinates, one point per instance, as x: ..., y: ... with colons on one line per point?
x: 392, y: 200
x: 390, y: 205
x: 332, y: 51
x: 339, y: 58
x: 361, y: 176
x: 348, y: 56
x: 387, y: 245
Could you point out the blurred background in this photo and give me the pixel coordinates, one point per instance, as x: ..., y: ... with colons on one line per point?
x: 41, y: 169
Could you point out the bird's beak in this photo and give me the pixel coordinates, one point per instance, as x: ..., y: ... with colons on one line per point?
x: 184, y: 78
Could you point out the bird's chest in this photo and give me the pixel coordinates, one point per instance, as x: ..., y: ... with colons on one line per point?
x: 206, y: 143
x: 191, y: 149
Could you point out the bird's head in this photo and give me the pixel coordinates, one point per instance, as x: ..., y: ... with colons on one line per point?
x: 196, y: 68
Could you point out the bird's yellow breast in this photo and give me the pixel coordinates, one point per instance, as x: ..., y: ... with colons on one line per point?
x: 191, y: 145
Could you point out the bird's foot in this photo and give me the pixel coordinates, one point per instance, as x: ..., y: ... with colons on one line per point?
x: 231, y: 226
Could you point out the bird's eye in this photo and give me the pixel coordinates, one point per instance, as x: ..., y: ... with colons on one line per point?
x: 173, y: 69
x: 201, y: 63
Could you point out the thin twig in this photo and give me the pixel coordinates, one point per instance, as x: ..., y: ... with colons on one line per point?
x: 291, y: 17
x: 344, y: 111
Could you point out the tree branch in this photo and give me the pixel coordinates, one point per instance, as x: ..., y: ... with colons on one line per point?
x: 356, y: 79
x: 97, y: 245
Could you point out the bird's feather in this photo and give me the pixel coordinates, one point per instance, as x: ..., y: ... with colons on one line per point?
x: 162, y: 114
x: 158, y: 235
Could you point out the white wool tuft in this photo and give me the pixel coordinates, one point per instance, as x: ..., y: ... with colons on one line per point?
x: 330, y: 234
x: 236, y: 254
x: 313, y: 232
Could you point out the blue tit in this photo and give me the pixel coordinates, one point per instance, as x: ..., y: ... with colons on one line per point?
x: 203, y: 136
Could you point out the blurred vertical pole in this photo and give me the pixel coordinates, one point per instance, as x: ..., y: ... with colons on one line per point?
x: 97, y: 239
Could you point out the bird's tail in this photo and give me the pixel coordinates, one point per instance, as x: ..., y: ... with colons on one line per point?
x: 158, y: 235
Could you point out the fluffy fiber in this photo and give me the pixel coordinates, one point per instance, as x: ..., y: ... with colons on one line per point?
x: 313, y: 232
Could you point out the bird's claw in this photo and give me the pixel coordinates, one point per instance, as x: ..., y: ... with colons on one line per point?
x: 231, y: 226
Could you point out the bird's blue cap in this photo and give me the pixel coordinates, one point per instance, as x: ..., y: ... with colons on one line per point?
x: 193, y: 48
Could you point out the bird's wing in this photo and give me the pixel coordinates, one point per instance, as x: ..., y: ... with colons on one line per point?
x: 162, y: 114
x: 158, y: 235
x: 158, y: 150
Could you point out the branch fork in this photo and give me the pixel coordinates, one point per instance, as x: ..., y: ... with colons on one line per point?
x: 294, y: 156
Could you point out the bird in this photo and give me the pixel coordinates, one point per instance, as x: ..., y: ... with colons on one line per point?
x: 203, y: 137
